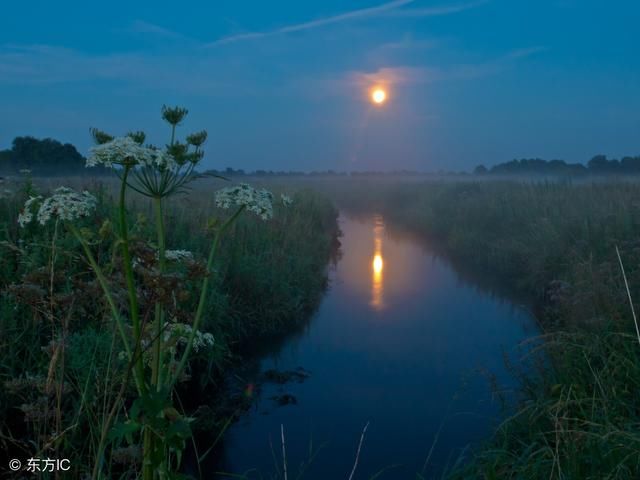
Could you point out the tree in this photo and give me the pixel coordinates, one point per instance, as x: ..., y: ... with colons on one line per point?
x: 480, y: 170
x: 43, y: 157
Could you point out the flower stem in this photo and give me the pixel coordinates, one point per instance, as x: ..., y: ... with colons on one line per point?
x: 157, y: 374
x: 128, y: 270
x: 107, y: 294
x: 203, y: 296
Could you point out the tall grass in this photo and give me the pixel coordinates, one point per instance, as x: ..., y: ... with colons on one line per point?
x: 61, y: 365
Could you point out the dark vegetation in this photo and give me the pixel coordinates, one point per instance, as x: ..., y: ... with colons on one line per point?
x: 598, y: 165
x: 46, y: 157
x: 61, y: 367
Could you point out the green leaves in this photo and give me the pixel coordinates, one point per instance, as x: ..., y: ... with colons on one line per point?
x: 124, y: 431
x: 153, y: 412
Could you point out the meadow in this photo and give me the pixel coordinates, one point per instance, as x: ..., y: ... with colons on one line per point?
x: 571, y: 250
x: 68, y: 390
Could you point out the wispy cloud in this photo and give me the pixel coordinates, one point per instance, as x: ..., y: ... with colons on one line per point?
x: 408, y: 43
x: 147, y: 28
x: 392, y: 8
x: 437, y: 11
x: 525, y: 52
x: 412, y: 75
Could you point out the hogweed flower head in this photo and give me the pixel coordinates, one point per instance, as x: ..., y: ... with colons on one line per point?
x: 26, y: 215
x: 99, y: 136
x: 127, y: 151
x: 173, y: 115
x: 259, y: 202
x: 65, y: 204
x: 197, y: 139
x: 138, y: 136
x: 180, y: 333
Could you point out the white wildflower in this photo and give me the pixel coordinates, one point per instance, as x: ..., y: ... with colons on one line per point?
x: 25, y: 171
x: 180, y: 333
x: 26, y: 215
x: 178, y: 255
x: 286, y: 199
x: 65, y: 203
x: 259, y: 202
x: 124, y: 150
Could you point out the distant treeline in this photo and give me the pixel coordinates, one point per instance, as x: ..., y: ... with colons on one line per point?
x: 50, y: 157
x: 231, y: 172
x: 42, y: 157
x: 598, y: 165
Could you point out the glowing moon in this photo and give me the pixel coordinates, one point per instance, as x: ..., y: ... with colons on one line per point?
x: 378, y: 95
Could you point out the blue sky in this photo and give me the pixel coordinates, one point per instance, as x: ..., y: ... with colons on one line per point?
x: 283, y: 84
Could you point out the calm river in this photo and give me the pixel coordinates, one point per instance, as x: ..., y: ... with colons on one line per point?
x: 400, y: 341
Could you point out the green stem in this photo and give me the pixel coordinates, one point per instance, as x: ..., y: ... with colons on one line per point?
x: 203, y: 297
x: 128, y: 271
x: 159, y: 312
x: 107, y: 294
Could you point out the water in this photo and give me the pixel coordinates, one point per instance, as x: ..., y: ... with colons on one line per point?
x: 400, y: 341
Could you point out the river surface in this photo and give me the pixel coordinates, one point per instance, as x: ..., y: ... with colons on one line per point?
x: 400, y: 341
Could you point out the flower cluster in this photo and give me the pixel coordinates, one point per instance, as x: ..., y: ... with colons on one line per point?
x: 180, y: 333
x: 65, y: 204
x: 26, y: 215
x: 259, y: 202
x: 178, y: 255
x: 126, y: 151
x: 286, y: 199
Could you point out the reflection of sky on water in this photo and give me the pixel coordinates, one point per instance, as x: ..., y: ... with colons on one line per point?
x: 397, y: 342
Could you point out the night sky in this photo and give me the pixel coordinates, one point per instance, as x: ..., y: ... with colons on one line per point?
x: 284, y: 84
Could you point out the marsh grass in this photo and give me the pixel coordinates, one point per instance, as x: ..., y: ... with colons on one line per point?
x: 63, y: 378
x: 578, y: 410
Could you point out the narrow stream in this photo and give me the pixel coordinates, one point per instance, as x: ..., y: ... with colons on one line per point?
x: 400, y: 341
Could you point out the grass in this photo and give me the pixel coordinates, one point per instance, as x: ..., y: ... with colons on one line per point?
x: 578, y: 412
x: 578, y: 415
x: 62, y: 370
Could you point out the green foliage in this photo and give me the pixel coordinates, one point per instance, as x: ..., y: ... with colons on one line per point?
x: 42, y: 157
x: 598, y: 165
x: 60, y: 352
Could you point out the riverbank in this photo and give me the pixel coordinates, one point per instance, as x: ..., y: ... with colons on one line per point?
x: 577, y: 416
x: 59, y: 359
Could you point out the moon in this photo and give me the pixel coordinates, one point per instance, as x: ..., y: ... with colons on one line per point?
x: 378, y: 95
